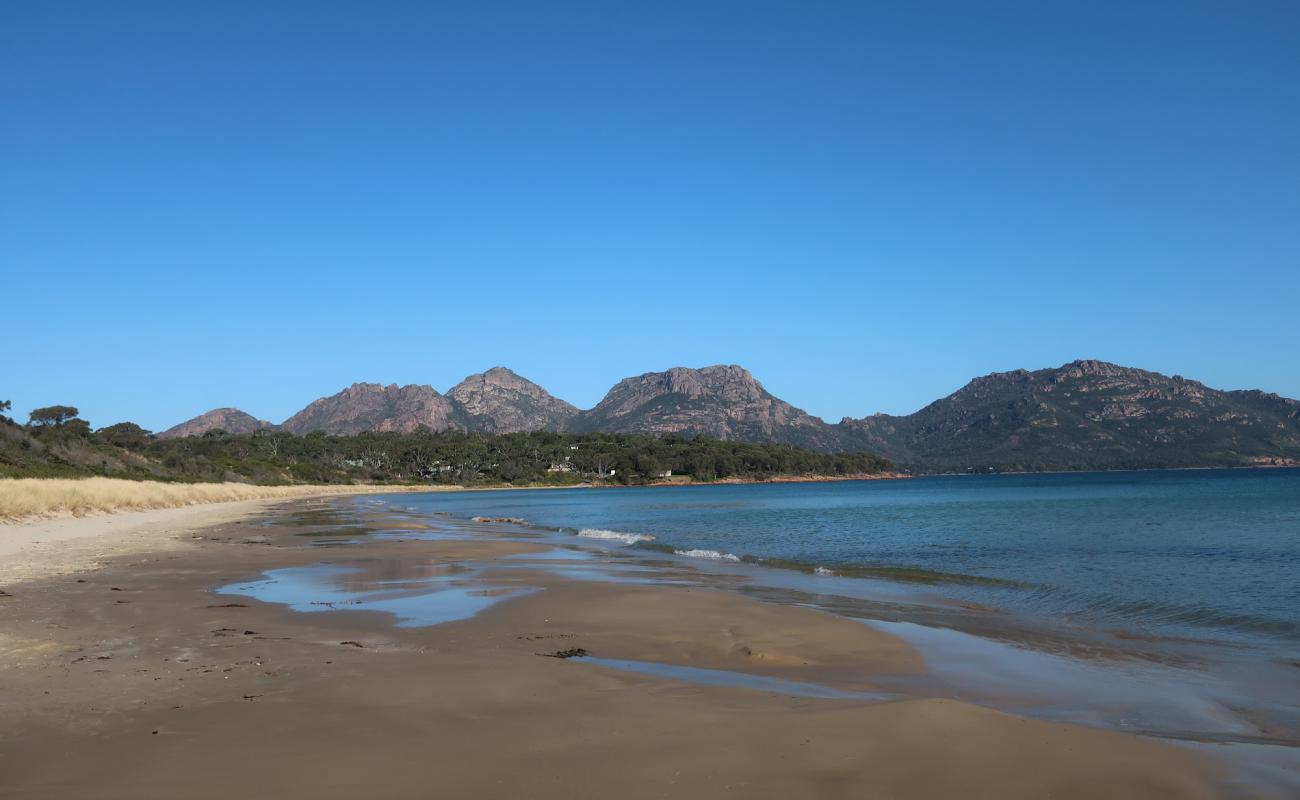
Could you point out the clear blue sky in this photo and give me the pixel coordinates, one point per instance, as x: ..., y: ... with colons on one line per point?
x: 255, y: 204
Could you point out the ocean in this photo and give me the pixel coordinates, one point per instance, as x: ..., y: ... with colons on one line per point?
x: 1206, y: 554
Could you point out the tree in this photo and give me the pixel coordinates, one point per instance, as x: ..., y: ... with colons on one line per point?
x: 124, y: 434
x: 5, y: 405
x: 52, y: 415
x: 76, y: 427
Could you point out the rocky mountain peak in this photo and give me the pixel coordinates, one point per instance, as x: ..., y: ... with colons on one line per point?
x: 230, y: 420
x: 375, y: 407
x: 724, y: 401
x: 1086, y: 414
x: 1092, y: 368
x: 506, y: 377
x: 723, y: 381
x: 501, y: 401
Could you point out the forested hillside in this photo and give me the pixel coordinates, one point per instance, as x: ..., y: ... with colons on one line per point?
x: 57, y: 443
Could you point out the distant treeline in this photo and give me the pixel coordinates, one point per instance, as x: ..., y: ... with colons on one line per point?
x: 57, y: 443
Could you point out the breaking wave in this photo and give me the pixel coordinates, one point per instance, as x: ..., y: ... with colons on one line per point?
x: 710, y: 554
x: 615, y: 536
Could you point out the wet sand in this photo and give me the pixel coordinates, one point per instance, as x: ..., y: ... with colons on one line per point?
x: 127, y: 676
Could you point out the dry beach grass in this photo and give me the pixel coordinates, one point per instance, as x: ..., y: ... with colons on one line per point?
x: 31, y: 497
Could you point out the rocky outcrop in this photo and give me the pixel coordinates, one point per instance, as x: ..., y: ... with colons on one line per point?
x: 230, y: 420
x: 499, y: 401
x: 725, y: 402
x: 373, y: 407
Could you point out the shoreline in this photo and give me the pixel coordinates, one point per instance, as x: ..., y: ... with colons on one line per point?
x: 9, y: 524
x: 1168, y: 673
x: 865, y: 476
x: 1229, y: 467
x: 186, y: 698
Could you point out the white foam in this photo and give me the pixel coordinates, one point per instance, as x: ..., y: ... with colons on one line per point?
x: 710, y: 554
x: 616, y: 536
x: 823, y: 571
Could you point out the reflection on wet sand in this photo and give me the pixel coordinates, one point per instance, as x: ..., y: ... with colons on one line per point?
x: 738, y: 680
x: 416, y: 593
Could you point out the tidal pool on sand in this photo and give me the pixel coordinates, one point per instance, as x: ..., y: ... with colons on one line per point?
x: 416, y: 593
x: 740, y: 680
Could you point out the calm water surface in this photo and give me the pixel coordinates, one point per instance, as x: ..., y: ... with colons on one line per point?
x: 1207, y: 554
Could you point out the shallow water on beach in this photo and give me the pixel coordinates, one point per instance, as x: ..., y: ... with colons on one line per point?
x: 1135, y: 695
x: 1211, y: 554
x: 740, y: 680
x: 415, y: 593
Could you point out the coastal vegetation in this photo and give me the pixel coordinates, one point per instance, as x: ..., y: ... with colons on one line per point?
x: 62, y: 445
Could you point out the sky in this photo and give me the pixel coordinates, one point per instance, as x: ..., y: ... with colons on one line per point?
x: 256, y: 204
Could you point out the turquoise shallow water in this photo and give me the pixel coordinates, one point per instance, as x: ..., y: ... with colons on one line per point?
x: 1208, y: 554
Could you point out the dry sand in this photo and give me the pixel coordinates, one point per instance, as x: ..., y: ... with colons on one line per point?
x: 46, y: 545
x: 22, y: 498
x: 135, y: 681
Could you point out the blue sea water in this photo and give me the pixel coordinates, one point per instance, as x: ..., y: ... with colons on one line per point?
x: 1207, y: 553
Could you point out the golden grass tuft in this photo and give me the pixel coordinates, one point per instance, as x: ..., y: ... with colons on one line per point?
x: 28, y: 497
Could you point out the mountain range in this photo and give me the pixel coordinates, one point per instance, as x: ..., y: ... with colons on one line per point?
x: 1083, y: 415
x: 1088, y: 415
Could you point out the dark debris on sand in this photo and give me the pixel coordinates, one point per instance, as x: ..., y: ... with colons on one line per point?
x: 575, y: 652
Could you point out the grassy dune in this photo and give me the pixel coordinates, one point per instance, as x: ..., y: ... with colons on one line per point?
x: 26, y: 497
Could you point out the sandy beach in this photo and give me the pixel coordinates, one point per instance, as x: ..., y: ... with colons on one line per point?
x: 125, y: 675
